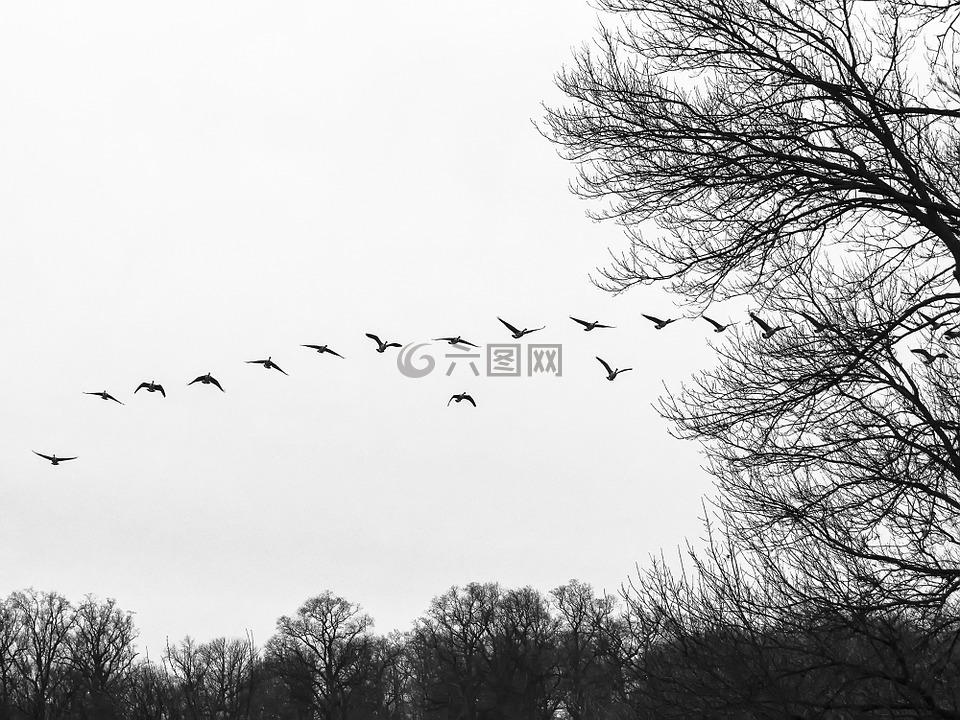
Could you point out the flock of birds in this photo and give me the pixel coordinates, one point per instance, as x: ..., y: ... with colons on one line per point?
x: 767, y: 332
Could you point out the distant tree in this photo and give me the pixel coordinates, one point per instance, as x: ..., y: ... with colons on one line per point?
x: 451, y: 650
x: 101, y: 657
x: 44, y: 622
x: 524, y: 662
x: 325, y: 656
x: 587, y: 642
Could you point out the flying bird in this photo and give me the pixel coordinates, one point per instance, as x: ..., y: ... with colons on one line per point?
x: 717, y: 327
x: 151, y: 387
x: 323, y: 349
x: 382, y: 346
x: 768, y: 332
x: 460, y: 397
x: 611, y: 373
x: 456, y: 340
x: 53, y: 458
x: 207, y: 379
x: 268, y: 364
x: 952, y: 334
x: 588, y: 326
x: 517, y: 334
x: 932, y: 322
x: 105, y: 395
x: 927, y: 357
x: 818, y: 326
x: 660, y: 324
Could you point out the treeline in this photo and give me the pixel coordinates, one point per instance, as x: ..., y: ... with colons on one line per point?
x: 669, y: 647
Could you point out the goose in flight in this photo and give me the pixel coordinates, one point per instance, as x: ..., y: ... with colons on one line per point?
x: 818, y: 326
x: 53, y: 458
x: 717, y: 327
x: 323, y: 349
x: 381, y: 345
x: 151, y: 387
x: 660, y: 324
x: 105, y: 395
x: 932, y: 322
x: 268, y: 364
x: 611, y: 373
x: 456, y: 340
x: 588, y: 326
x: 517, y: 334
x: 460, y: 397
x: 927, y: 357
x: 207, y: 379
x: 768, y: 331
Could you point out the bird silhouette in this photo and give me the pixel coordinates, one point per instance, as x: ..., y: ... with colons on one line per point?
x: 151, y: 387
x: 53, y: 458
x: 952, y: 334
x: 517, y: 334
x: 927, y: 357
x: 818, y: 326
x: 460, y: 397
x: 381, y: 345
x: 323, y: 349
x: 268, y: 364
x: 717, y: 327
x: 105, y: 395
x: 932, y: 322
x: 588, y: 326
x: 456, y: 340
x: 207, y: 379
x: 768, y: 331
x: 611, y: 373
x: 660, y: 324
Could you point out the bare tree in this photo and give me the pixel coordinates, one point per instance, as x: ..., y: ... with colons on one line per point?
x: 323, y: 655
x: 45, y: 620
x: 102, y: 656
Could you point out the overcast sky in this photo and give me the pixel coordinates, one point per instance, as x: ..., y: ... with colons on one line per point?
x: 186, y: 186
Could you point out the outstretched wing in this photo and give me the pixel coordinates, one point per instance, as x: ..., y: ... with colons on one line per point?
x: 924, y: 354
x: 111, y: 397
x: 392, y: 344
x: 717, y: 325
x: 472, y: 401
x: 139, y: 387
x: 45, y: 457
x: 199, y: 379
x: 464, y: 342
x: 604, y: 363
x: 65, y: 459
x: 510, y: 327
x: 578, y: 320
x: 214, y: 381
x: 375, y: 338
x: 761, y: 323
x: 314, y: 347
x: 278, y: 368
x: 653, y: 319
x: 334, y: 352
x: 452, y: 398
x: 160, y: 388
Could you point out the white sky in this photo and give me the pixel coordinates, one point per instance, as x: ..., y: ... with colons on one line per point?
x: 185, y: 186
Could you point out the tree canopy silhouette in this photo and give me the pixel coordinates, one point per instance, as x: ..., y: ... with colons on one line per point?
x: 799, y: 156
